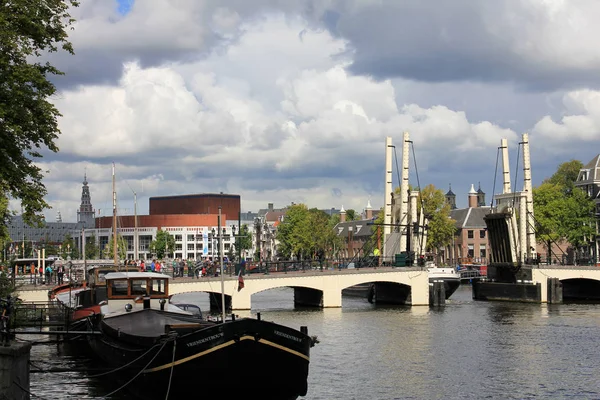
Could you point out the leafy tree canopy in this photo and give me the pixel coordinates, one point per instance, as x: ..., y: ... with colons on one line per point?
x: 163, y: 244
x: 566, y: 175
x: 441, y: 227
x: 28, y: 121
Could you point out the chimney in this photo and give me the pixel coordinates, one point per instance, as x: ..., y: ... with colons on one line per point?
x: 271, y: 206
x: 342, y: 215
x: 369, y: 210
x: 472, y: 197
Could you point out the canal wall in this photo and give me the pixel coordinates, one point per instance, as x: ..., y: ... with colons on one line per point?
x: 14, y: 371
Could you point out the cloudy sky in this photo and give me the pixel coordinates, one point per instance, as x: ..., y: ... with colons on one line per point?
x: 286, y: 101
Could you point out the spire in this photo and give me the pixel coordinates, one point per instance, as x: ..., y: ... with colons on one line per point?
x: 86, y: 213
x: 479, y: 189
x: 369, y: 205
x: 472, y: 191
x: 342, y: 211
x: 58, y: 217
x: 450, y: 192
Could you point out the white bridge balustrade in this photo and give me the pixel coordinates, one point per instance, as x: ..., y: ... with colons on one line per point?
x: 317, y: 288
x: 314, y: 287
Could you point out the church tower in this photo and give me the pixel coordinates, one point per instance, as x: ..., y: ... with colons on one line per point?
x: 451, y: 198
x: 480, y: 197
x: 86, y: 213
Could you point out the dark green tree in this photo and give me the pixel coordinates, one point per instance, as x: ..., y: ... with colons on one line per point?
x: 162, y: 242
x: 244, y: 239
x: 121, y: 248
x: 566, y: 175
x: 28, y: 120
x: 352, y: 215
x: 440, y: 227
x: 91, y: 248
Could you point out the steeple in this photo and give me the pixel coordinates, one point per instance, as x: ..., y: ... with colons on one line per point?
x: 451, y: 198
x: 86, y: 213
x: 480, y: 196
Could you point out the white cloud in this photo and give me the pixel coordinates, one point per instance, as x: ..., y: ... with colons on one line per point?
x: 581, y: 121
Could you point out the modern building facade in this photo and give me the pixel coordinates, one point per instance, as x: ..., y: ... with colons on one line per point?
x: 206, y: 203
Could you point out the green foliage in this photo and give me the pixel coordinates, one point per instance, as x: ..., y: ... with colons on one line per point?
x: 6, y: 286
x: 244, y: 239
x: 566, y: 175
x: 5, y: 215
x: 352, y: 215
x: 121, y: 248
x: 441, y: 227
x: 163, y: 244
x: 306, y: 234
x: 28, y: 121
x: 376, y: 239
x: 91, y: 248
x: 563, y: 217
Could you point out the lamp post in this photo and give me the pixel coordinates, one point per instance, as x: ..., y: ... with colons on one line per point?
x: 212, y: 231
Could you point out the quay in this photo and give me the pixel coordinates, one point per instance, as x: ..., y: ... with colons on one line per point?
x: 540, y: 284
x: 313, y: 287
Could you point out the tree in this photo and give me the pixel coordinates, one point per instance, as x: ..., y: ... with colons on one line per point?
x: 244, y: 239
x: 352, y: 215
x: 440, y: 227
x: 162, y: 243
x: 121, y: 248
x: 293, y: 231
x: 566, y: 175
x: 28, y: 121
x: 91, y: 248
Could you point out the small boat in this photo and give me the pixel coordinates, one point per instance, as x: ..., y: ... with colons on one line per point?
x: 169, y: 348
x: 448, y: 275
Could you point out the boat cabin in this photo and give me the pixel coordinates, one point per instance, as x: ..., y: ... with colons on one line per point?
x: 135, y: 290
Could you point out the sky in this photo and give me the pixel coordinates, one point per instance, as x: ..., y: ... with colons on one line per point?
x: 285, y: 101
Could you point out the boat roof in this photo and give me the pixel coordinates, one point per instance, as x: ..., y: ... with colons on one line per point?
x: 135, y: 275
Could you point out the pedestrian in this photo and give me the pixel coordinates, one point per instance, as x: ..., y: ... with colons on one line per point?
x: 48, y: 274
x: 181, y: 267
x: 41, y: 271
x: 60, y: 272
x: 153, y: 266
x: 157, y: 266
x: 32, y: 273
x: 142, y: 266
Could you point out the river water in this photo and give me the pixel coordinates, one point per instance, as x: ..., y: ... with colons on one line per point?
x: 466, y: 350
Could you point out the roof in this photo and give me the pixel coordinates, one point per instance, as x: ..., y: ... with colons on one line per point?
x: 135, y: 275
x: 593, y: 168
x: 361, y: 228
x: 471, y: 217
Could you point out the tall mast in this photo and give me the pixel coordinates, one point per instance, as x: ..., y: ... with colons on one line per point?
x: 135, y: 235
x: 114, y: 224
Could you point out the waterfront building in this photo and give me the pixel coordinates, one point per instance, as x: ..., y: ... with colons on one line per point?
x: 589, y: 180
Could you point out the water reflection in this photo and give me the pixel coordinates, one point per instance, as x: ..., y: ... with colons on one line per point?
x: 465, y: 350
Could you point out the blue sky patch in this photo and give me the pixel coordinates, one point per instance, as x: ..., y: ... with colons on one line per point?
x: 124, y: 6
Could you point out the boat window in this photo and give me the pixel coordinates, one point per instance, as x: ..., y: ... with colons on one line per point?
x: 159, y: 286
x: 138, y: 287
x: 119, y: 287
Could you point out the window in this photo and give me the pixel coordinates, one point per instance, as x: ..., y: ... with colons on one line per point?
x: 470, y: 234
x: 178, y: 238
x: 118, y: 287
x: 471, y: 251
x: 190, y: 238
x: 159, y: 287
x: 482, y: 234
x: 190, y: 246
x: 138, y: 287
x: 482, y: 252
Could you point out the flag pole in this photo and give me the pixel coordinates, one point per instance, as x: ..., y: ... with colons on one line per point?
x: 221, y: 264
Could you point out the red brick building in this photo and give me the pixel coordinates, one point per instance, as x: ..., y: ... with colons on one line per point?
x: 205, y: 203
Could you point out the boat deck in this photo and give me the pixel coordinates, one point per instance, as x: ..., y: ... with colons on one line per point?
x: 149, y: 323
